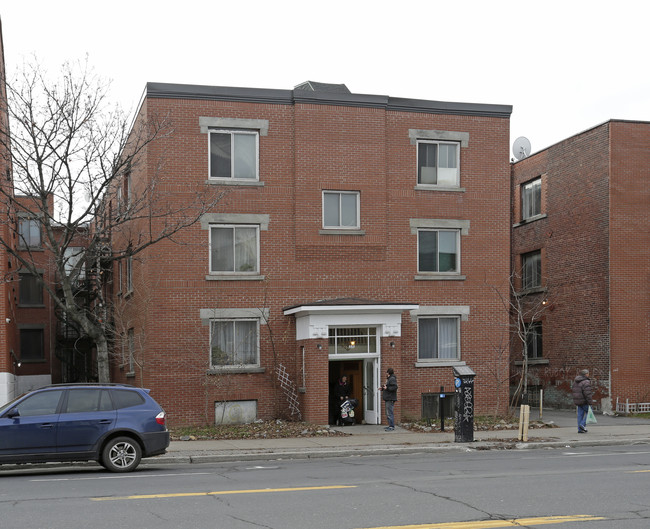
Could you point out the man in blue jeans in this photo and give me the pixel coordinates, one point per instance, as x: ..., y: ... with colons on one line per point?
x: 582, y: 393
x: 389, y: 394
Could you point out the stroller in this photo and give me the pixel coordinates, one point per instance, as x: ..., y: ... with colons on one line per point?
x: 347, y: 411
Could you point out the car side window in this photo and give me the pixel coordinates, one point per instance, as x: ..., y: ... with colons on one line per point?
x: 43, y: 403
x: 124, y: 398
x: 88, y: 400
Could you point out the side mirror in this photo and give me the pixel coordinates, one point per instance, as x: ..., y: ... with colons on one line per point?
x: 13, y: 413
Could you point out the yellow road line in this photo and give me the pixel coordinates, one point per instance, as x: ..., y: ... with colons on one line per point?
x: 637, y: 471
x: 217, y: 493
x: 492, y: 524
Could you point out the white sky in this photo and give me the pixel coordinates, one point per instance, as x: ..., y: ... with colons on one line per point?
x: 565, y: 66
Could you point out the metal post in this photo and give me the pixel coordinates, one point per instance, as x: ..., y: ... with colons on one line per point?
x: 441, y: 408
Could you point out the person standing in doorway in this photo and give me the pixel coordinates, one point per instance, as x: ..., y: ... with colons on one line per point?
x: 341, y: 394
x: 389, y: 395
x: 582, y: 393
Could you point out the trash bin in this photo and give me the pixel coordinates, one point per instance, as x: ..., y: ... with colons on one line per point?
x: 464, y: 400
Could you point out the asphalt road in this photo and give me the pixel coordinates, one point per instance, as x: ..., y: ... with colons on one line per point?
x: 595, y: 487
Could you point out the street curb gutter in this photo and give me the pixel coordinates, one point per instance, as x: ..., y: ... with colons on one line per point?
x: 275, y: 455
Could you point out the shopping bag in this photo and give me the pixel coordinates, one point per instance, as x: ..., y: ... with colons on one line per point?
x: 591, y: 418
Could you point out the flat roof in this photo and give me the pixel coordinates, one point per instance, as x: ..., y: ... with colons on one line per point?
x: 338, y: 98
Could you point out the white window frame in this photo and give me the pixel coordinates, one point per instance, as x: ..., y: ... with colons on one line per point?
x: 234, y: 227
x: 437, y: 359
x: 256, y: 364
x: 438, y: 231
x: 438, y: 169
x: 340, y: 194
x: 531, y: 199
x: 233, y: 133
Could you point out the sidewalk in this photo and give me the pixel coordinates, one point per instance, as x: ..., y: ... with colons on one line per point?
x: 373, y: 440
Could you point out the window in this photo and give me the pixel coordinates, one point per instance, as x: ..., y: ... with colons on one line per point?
x: 341, y: 209
x: 120, y: 279
x: 234, y: 154
x: 29, y: 232
x: 438, y: 163
x: 438, y: 338
x: 74, y: 268
x: 534, y: 340
x: 129, y: 273
x: 531, y: 270
x: 438, y: 250
x: 131, y: 342
x: 234, y: 249
x: 234, y: 343
x: 531, y: 199
x: 124, y: 398
x: 88, y: 400
x: 31, y: 345
x: 352, y: 340
x: 43, y: 403
x: 30, y: 290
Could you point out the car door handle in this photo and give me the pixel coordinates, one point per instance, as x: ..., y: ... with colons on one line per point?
x: 46, y: 425
x: 105, y: 421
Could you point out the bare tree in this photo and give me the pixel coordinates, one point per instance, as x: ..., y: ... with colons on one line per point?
x: 525, y: 309
x: 73, y: 156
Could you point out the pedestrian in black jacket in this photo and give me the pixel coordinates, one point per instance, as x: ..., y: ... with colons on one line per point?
x: 389, y: 394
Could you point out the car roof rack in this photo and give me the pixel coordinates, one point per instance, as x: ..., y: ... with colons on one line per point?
x: 73, y: 384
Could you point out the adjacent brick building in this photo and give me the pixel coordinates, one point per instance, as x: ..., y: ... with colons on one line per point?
x: 8, y: 330
x: 581, y: 237
x: 355, y: 233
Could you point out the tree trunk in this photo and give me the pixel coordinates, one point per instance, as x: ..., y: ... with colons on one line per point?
x: 103, y: 371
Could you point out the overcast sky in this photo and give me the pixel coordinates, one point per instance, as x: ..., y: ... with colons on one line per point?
x: 565, y: 66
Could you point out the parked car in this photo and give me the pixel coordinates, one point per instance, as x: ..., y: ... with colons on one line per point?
x: 113, y: 424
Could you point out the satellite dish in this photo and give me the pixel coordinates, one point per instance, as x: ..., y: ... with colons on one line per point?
x: 521, y: 148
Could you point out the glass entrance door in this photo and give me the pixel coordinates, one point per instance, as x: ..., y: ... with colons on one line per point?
x: 371, y: 403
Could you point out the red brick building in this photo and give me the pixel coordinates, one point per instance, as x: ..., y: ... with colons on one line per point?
x: 355, y: 233
x: 581, y: 219
x: 7, y: 331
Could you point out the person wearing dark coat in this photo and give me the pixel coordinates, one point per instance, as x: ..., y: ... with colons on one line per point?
x: 341, y: 394
x: 582, y: 393
x: 389, y: 395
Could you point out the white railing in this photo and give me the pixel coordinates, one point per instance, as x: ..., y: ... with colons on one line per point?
x: 632, y: 407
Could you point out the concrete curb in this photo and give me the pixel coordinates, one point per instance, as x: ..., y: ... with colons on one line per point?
x: 280, y: 454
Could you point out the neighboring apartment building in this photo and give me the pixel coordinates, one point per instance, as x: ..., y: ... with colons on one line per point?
x: 356, y: 233
x: 8, y: 339
x: 581, y: 237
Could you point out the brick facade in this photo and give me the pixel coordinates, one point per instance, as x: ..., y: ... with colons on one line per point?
x: 593, y: 237
x: 319, y: 141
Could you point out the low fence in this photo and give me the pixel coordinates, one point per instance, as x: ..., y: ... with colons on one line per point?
x: 632, y: 407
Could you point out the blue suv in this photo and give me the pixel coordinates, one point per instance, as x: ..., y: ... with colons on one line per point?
x: 113, y: 424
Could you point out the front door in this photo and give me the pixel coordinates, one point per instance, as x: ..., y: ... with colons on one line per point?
x: 371, y: 403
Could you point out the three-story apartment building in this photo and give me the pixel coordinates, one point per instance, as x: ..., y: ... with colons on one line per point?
x: 355, y: 233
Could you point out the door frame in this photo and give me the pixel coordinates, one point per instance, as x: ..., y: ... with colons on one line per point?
x: 371, y: 393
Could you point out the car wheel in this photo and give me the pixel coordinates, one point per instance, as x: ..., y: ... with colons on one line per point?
x: 121, y: 454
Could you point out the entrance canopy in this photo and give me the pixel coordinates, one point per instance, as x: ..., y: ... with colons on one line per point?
x: 314, y: 319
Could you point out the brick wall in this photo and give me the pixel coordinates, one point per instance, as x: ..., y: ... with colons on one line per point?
x: 630, y: 261
x: 310, y: 148
x: 580, y: 235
